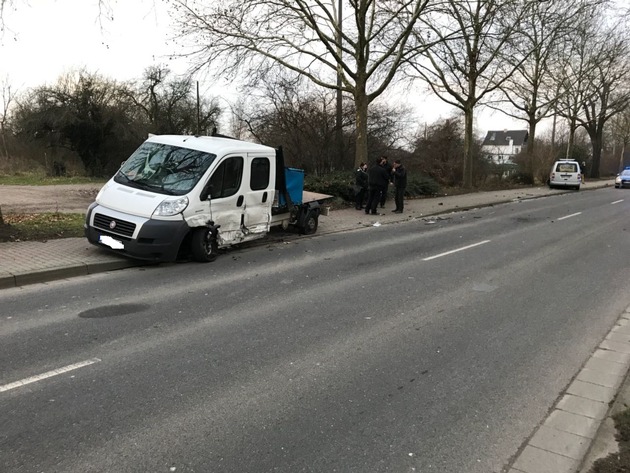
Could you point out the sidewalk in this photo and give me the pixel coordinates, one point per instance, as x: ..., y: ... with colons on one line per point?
x: 568, y: 441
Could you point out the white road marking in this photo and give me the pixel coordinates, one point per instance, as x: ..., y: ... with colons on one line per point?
x: 48, y: 374
x: 569, y: 216
x: 455, y: 251
x: 616, y: 202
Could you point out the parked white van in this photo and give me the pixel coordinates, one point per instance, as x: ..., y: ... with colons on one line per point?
x: 565, y: 173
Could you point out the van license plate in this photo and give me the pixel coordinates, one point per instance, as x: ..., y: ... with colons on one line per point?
x: 111, y: 242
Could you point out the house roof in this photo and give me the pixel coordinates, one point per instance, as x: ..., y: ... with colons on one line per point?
x: 503, y: 137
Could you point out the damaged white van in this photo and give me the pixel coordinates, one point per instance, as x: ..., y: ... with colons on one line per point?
x: 187, y: 196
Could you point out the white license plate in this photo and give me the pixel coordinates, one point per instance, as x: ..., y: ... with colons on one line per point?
x: 111, y: 242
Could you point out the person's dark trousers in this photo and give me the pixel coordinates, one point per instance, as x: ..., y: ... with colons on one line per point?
x: 399, y: 198
x: 360, y: 198
x: 383, y: 197
x: 374, y: 195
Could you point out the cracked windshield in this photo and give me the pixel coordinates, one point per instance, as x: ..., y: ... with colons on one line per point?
x: 164, y: 168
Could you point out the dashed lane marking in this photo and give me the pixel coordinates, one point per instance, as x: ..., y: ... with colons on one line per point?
x: 569, y: 216
x: 48, y: 374
x: 455, y: 251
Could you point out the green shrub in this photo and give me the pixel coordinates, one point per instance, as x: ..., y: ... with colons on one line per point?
x: 340, y: 184
x: 420, y: 185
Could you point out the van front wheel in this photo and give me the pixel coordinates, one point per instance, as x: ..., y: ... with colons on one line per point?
x: 203, y: 245
x: 310, y: 223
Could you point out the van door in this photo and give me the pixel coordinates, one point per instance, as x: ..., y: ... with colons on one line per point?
x: 259, y: 197
x: 227, y: 199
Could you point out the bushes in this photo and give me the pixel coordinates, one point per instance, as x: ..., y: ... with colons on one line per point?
x: 341, y: 185
x: 521, y: 178
x: 421, y: 186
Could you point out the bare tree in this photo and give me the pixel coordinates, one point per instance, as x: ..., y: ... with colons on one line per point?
x: 168, y: 105
x: 104, y: 10
x: 611, y: 92
x: 302, y: 117
x: 438, y: 151
x: 572, y: 73
x: 465, y: 65
x: 81, y: 113
x: 594, y: 82
x: 8, y: 97
x: 531, y: 90
x: 621, y: 132
x: 357, y: 51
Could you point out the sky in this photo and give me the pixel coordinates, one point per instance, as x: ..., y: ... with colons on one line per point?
x: 44, y: 39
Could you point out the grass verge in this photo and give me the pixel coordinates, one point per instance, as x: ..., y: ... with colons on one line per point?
x: 41, y: 226
x: 36, y: 180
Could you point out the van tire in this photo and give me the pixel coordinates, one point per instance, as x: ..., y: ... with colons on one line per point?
x: 203, y: 245
x: 310, y: 223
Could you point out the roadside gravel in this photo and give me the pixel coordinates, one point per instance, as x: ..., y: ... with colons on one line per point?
x: 72, y: 198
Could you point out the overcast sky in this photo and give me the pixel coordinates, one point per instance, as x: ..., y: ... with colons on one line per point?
x: 44, y: 39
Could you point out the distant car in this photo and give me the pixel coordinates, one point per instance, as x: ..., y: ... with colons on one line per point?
x: 623, y: 179
x: 565, y: 173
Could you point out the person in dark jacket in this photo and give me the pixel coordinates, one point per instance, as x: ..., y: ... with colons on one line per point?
x: 399, y: 174
x: 360, y: 185
x: 377, y: 183
x: 388, y: 167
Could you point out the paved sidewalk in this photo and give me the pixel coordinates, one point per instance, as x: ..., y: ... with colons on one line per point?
x: 578, y: 430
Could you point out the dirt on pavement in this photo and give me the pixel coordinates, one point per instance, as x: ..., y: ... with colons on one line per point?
x: 70, y: 198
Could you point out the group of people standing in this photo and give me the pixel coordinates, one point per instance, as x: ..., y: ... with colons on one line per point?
x: 373, y: 183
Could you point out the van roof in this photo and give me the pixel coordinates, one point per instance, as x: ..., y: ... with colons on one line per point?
x: 211, y: 144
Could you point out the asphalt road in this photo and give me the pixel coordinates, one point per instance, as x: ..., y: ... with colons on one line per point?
x: 409, y: 347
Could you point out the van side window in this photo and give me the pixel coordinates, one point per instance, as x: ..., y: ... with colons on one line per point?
x: 226, y: 179
x: 260, y: 174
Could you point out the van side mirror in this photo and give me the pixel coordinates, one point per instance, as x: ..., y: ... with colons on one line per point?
x: 206, y: 192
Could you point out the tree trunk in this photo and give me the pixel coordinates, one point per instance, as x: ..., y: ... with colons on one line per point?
x: 361, y: 104
x: 596, y: 140
x: 468, y: 147
x: 531, y: 133
x: 530, y: 146
x: 572, y: 129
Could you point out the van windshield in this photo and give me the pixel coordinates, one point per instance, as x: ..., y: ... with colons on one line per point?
x: 164, y: 168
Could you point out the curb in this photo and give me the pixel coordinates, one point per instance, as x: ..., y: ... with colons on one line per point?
x: 63, y: 272
x: 577, y: 431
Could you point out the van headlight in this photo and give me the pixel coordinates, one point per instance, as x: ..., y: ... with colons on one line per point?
x: 169, y: 208
x: 618, y: 180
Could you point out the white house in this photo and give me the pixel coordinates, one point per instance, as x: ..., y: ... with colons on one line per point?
x: 502, y: 146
